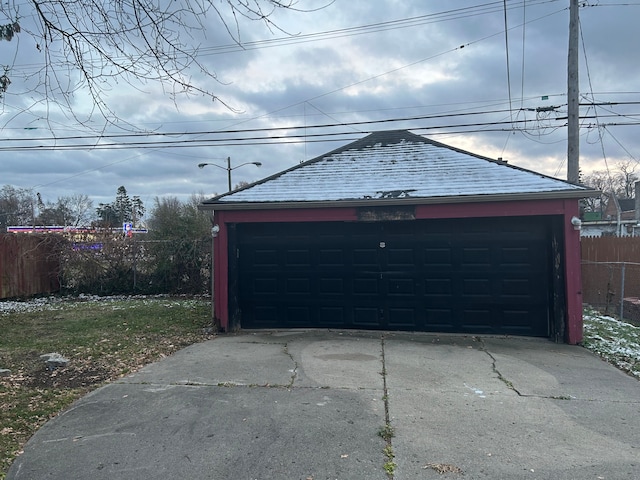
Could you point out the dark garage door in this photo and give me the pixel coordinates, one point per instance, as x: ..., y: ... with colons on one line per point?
x: 471, y: 275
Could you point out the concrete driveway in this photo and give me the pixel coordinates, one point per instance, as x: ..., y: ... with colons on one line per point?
x: 314, y: 405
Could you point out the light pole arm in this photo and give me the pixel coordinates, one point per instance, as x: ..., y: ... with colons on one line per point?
x: 228, y: 168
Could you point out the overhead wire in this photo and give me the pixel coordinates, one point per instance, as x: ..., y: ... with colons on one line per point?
x: 506, y: 45
x: 469, y: 125
x: 595, y: 109
x: 506, y: 42
x: 420, y: 20
x: 266, y: 134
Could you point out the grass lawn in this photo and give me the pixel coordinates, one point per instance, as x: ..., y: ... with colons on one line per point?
x: 103, y: 340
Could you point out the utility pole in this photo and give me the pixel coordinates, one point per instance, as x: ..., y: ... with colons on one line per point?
x: 573, y: 97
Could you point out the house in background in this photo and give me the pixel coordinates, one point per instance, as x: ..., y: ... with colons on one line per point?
x: 398, y: 232
x: 620, y: 218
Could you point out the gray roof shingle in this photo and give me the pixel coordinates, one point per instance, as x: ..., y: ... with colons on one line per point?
x: 397, y: 166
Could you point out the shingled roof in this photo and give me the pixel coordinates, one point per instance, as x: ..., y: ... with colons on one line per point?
x: 396, y: 167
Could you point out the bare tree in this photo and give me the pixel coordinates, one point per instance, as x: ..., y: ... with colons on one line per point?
x: 81, y: 208
x: 598, y: 180
x: 72, y: 210
x: 625, y: 179
x: 16, y: 206
x: 619, y: 182
x: 135, y: 41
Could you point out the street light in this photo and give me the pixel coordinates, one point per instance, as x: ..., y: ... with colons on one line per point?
x: 228, y: 167
x: 216, y: 228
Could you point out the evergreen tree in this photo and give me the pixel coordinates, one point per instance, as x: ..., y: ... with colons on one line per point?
x: 123, y: 209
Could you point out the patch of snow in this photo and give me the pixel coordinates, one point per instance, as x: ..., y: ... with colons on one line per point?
x: 616, y: 341
x: 53, y: 303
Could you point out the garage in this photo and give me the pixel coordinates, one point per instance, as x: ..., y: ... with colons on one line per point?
x: 402, y: 249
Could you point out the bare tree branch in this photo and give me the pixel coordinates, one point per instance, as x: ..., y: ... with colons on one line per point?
x: 93, y: 47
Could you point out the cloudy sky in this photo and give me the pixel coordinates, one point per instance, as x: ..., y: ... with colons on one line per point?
x: 330, y: 76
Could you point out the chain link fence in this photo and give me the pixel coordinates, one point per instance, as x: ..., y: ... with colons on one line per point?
x: 108, y: 264
x: 606, y: 285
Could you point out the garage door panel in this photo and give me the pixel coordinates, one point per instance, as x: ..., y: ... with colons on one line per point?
x: 366, y: 317
x: 365, y: 287
x: 265, y: 316
x: 401, y: 257
x: 298, y: 258
x: 522, y: 289
x: 298, y: 316
x: 265, y: 286
x: 476, y: 287
x: 438, y: 257
x: 472, y: 275
x: 265, y: 258
x: 331, y: 257
x: 401, y: 287
x: 403, y: 318
x: 331, y: 286
x: 475, y: 257
x: 476, y: 320
x: 438, y: 288
x: 365, y: 258
x: 440, y: 319
x: 298, y: 286
x: 333, y: 316
x: 516, y: 257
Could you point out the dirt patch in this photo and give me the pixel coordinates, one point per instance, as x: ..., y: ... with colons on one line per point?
x: 68, y: 377
x: 32, y: 372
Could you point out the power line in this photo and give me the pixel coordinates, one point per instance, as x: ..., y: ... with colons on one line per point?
x: 269, y: 137
x: 416, y: 21
x: 441, y: 116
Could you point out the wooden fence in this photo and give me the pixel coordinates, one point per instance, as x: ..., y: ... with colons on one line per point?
x: 29, y: 265
x: 610, y: 271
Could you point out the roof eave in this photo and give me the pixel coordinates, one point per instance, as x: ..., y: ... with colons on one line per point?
x: 368, y: 202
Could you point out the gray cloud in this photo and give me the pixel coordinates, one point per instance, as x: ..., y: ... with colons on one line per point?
x: 395, y: 73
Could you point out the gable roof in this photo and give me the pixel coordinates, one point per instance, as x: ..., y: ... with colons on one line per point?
x: 627, y: 204
x: 391, y: 167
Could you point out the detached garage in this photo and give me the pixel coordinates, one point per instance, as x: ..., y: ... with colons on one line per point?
x: 398, y: 232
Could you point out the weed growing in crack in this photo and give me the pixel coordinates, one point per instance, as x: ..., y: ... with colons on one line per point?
x: 390, y: 468
x: 388, y: 452
x: 386, y: 432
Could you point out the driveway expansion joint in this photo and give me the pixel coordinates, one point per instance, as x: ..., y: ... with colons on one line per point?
x: 386, y: 431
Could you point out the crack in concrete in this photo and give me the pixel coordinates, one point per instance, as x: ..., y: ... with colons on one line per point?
x: 294, y: 372
x: 494, y: 367
x: 510, y: 385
